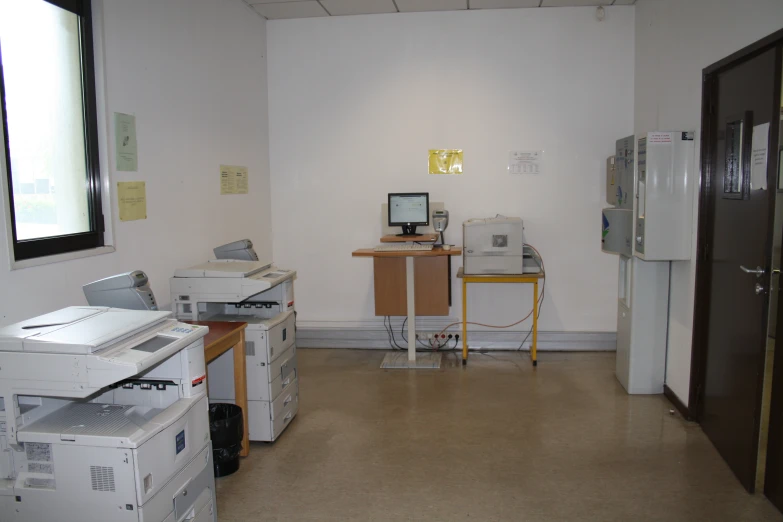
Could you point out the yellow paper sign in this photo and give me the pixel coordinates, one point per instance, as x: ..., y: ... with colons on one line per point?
x: 445, y: 161
x: 233, y: 180
x: 132, y: 197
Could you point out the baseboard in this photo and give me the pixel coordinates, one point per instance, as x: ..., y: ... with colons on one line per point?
x: 373, y: 335
x: 681, y: 407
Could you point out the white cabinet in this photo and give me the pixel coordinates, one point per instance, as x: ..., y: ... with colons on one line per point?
x: 642, y: 315
x: 665, y: 180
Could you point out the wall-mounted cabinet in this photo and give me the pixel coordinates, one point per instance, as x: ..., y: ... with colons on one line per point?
x: 664, y: 196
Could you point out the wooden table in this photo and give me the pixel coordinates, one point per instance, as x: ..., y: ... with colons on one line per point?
x: 222, y: 336
x: 409, y: 256
x: 500, y: 278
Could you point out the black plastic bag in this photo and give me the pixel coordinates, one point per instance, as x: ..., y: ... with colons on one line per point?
x: 225, y: 425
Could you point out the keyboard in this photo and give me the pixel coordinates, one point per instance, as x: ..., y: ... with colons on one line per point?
x: 401, y: 247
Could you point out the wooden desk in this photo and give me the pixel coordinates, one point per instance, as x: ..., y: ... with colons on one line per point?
x: 387, y: 282
x: 222, y: 336
x: 521, y: 278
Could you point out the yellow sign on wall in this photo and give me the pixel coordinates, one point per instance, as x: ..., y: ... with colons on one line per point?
x: 445, y: 161
x: 132, y: 197
x: 233, y: 180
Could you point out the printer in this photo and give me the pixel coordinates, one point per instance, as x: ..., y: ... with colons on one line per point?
x: 262, y: 296
x: 493, y: 246
x: 129, y: 290
x: 104, y: 416
x: 496, y: 246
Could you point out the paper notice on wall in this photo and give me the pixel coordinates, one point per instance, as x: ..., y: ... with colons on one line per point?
x: 758, y: 158
x: 132, y: 197
x: 233, y: 180
x: 445, y: 161
x: 659, y: 137
x: 125, y: 148
x: 525, y: 161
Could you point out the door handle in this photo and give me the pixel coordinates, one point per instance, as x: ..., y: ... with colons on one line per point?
x: 758, y: 271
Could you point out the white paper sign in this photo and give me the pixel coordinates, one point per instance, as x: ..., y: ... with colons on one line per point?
x: 525, y: 161
x: 758, y: 158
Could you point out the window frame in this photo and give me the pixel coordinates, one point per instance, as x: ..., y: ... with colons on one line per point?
x: 93, y: 239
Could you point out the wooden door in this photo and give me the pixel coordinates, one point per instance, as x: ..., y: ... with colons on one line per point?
x: 735, y: 261
x: 773, y: 484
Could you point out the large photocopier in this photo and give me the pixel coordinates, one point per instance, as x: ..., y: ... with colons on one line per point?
x: 263, y: 296
x: 104, y: 416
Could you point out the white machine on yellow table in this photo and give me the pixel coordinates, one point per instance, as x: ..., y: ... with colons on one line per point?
x: 103, y: 416
x: 496, y: 246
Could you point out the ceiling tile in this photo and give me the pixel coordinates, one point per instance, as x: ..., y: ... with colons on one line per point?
x: 573, y: 3
x: 624, y: 2
x: 500, y: 4
x: 281, y: 10
x: 409, y: 6
x: 356, y: 7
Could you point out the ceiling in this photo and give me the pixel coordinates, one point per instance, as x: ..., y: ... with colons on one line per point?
x: 279, y: 9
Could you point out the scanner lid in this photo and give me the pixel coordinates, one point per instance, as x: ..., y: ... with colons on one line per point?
x: 223, y: 268
x: 76, y: 329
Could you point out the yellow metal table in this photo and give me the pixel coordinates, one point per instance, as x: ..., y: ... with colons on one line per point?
x: 488, y: 278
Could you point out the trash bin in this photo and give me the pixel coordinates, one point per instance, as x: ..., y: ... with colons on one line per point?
x: 225, y: 429
x: 225, y: 461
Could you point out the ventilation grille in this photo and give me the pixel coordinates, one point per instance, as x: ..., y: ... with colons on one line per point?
x: 250, y: 348
x: 102, y: 478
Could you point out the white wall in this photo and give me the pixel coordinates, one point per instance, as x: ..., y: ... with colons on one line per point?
x: 675, y: 40
x: 194, y: 74
x: 355, y: 102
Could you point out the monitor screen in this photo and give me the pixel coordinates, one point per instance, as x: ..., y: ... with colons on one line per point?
x: 409, y: 209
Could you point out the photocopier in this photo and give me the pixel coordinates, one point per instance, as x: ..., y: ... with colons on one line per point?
x: 496, y: 246
x: 104, y: 416
x: 263, y: 296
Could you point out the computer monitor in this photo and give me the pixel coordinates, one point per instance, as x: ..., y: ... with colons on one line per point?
x: 409, y: 210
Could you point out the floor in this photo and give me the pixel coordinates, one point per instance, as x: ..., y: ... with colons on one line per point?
x: 497, y: 440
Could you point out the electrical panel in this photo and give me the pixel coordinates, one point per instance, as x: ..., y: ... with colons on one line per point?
x: 664, y: 196
x: 624, y: 173
x: 617, y: 231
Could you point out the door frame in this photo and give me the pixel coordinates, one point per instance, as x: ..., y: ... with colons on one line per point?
x: 706, y: 206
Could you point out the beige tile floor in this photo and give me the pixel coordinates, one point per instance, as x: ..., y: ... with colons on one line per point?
x: 495, y: 441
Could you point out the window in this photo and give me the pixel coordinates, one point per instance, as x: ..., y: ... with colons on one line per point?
x: 733, y: 173
x: 47, y: 101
